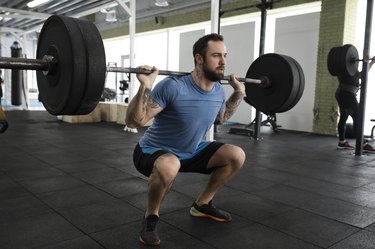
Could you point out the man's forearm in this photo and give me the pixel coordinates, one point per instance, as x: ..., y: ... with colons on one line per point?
x: 232, y: 104
x: 136, y: 111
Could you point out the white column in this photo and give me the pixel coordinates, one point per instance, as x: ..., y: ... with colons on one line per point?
x: 215, y: 8
x: 132, y: 22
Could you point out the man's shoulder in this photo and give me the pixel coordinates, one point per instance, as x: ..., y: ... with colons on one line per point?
x: 175, y: 81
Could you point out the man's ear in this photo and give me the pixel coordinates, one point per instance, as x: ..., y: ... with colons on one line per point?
x: 198, y: 58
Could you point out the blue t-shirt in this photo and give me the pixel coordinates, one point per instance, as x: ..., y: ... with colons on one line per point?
x: 188, y: 113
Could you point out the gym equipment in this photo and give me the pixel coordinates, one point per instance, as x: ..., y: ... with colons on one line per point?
x: 16, y: 86
x: 280, y: 97
x: 262, y: 82
x: 71, y: 68
x: 343, y: 60
x: 74, y: 79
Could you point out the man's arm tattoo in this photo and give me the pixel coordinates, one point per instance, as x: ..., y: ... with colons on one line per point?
x: 232, y: 104
x: 146, y: 98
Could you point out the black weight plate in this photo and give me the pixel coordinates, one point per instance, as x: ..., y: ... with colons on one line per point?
x: 332, y: 65
x: 96, y: 66
x: 301, y: 86
x: 283, y: 78
x: 350, y: 55
x: 61, y: 92
x: 295, y: 87
x: 343, y: 60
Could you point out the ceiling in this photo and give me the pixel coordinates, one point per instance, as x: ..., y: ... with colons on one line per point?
x: 18, y: 18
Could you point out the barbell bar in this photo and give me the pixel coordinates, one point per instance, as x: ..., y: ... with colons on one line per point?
x: 263, y: 82
x: 353, y: 60
x: 71, y: 69
x: 48, y: 63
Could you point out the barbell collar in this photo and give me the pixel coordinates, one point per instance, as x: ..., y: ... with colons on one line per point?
x: 52, y: 64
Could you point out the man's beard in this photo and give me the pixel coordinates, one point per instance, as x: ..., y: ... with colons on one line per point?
x: 210, y: 74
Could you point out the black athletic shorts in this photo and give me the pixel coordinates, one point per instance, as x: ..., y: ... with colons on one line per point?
x: 145, y: 162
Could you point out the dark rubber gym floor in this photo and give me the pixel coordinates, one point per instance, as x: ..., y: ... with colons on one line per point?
x: 68, y: 185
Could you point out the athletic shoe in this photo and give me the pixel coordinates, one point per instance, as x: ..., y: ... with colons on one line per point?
x: 344, y: 146
x: 368, y: 148
x: 132, y: 130
x: 149, y: 234
x: 210, y: 211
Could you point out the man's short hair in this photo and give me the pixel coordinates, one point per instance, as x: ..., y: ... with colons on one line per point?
x: 200, y: 46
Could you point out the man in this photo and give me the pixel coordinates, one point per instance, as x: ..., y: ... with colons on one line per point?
x: 184, y: 108
x: 346, y: 96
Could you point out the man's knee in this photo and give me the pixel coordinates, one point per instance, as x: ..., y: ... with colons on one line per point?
x: 166, y: 168
x: 238, y: 157
x: 230, y: 155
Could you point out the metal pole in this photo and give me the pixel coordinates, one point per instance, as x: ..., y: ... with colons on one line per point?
x: 364, y: 74
x: 263, y: 7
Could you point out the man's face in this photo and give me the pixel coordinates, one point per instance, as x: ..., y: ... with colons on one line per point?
x: 214, y: 60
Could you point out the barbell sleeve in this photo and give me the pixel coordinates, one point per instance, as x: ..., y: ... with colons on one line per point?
x: 24, y: 64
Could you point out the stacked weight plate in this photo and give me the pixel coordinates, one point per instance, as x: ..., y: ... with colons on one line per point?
x: 343, y: 60
x: 76, y: 84
x: 287, y: 83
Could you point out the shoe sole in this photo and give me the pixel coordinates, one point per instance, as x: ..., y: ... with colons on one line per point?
x: 194, y: 212
x: 150, y: 244
x: 345, y: 148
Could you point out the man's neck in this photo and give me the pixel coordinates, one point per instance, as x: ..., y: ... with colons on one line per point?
x: 202, y: 81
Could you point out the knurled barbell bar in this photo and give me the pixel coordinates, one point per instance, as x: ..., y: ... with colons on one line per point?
x: 71, y: 69
x: 48, y: 64
x: 263, y: 82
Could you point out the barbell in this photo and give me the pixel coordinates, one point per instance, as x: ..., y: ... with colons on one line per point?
x: 71, y: 68
x: 343, y: 60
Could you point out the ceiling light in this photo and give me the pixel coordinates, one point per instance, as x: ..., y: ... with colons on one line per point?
x: 111, y: 16
x: 5, y: 19
x: 161, y: 3
x: 35, y: 3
